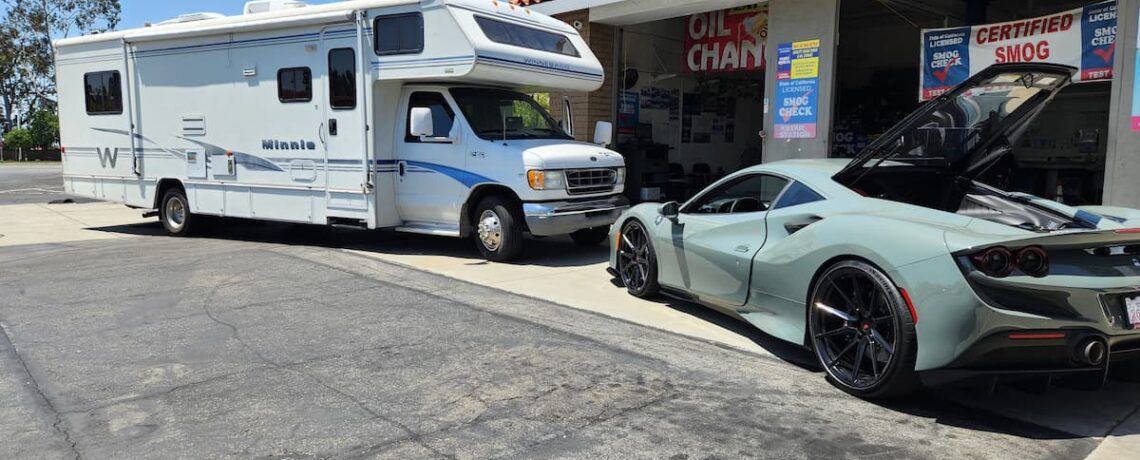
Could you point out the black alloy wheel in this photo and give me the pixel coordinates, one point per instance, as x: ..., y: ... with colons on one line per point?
x: 636, y: 261
x: 862, y: 331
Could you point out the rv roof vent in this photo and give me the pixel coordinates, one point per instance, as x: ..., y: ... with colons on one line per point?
x: 263, y: 6
x: 191, y: 18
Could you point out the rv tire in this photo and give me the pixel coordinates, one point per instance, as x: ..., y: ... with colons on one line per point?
x: 498, y: 234
x: 174, y: 212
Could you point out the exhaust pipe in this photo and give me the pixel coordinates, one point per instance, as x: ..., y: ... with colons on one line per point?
x: 1092, y: 352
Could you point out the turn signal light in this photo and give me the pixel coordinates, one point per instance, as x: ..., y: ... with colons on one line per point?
x: 996, y: 261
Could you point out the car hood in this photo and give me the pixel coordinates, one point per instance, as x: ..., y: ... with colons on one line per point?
x: 559, y: 154
x: 968, y: 129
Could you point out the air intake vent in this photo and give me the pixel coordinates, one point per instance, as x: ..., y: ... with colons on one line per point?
x: 265, y: 6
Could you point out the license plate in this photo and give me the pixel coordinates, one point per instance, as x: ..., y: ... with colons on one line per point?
x: 1132, y: 309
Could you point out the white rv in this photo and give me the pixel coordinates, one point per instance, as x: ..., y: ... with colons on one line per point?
x: 395, y: 114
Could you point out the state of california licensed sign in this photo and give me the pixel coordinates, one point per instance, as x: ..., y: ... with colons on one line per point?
x: 1084, y: 38
x: 797, y: 90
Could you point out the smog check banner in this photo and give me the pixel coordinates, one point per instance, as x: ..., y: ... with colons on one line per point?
x: 797, y: 90
x: 1084, y: 38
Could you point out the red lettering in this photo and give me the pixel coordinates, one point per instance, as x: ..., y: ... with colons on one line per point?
x: 981, y: 38
x: 1005, y: 32
x: 1054, y: 24
x: 1066, y: 22
x: 1024, y: 52
x: 1043, y: 50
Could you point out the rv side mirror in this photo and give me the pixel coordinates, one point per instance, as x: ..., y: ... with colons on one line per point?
x: 670, y: 210
x: 421, y: 122
x: 603, y: 133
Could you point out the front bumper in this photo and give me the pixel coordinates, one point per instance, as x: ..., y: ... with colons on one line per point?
x: 550, y: 218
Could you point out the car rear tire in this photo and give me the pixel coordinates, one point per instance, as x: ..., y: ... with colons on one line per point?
x: 590, y: 236
x: 497, y: 232
x: 862, y: 331
x: 174, y: 213
x: 637, y: 261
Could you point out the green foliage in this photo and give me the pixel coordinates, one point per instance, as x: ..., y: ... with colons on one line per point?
x: 19, y: 138
x: 27, y: 67
x: 44, y: 129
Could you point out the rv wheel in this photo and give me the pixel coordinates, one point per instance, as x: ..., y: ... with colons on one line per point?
x: 174, y: 212
x: 497, y: 234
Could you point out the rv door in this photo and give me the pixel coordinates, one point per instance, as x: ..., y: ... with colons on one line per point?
x: 343, y: 127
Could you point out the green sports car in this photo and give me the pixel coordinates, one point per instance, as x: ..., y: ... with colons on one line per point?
x: 899, y: 268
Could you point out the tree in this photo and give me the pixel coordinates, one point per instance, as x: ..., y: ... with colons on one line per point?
x: 19, y: 138
x: 27, y: 67
x: 44, y: 129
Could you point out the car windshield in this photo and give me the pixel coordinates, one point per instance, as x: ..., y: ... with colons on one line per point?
x: 501, y: 114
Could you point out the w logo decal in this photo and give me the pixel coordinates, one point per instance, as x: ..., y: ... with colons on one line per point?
x: 108, y: 155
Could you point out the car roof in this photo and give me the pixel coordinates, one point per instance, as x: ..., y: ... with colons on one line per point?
x: 815, y: 173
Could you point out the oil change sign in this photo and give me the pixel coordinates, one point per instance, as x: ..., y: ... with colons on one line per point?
x: 797, y: 90
x: 726, y: 40
x: 1084, y: 38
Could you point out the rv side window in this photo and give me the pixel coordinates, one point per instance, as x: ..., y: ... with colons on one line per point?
x: 104, y: 93
x: 295, y: 84
x: 342, y: 78
x: 399, y: 34
x: 526, y: 37
x: 441, y: 114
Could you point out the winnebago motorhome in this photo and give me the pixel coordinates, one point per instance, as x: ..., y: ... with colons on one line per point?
x: 395, y: 114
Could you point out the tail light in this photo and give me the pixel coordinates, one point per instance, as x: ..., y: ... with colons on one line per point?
x: 996, y: 261
x: 1033, y: 261
x: 1000, y: 262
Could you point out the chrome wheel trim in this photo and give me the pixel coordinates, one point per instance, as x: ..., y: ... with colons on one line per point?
x: 633, y: 257
x: 175, y: 212
x: 854, y: 328
x: 490, y: 230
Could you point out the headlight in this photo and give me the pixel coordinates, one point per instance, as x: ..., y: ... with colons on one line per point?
x: 545, y: 180
x: 619, y: 177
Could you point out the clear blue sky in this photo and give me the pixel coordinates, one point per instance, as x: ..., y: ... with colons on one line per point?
x: 139, y: 12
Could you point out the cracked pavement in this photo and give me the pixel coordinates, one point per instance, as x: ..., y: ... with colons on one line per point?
x: 156, y: 347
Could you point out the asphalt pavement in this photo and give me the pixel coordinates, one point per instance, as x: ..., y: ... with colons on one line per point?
x: 260, y: 344
x: 32, y: 182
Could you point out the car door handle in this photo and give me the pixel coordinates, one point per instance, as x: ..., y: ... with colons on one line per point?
x: 402, y: 167
x: 799, y: 224
x: 742, y: 248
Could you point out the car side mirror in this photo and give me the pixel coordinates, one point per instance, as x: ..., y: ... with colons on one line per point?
x: 421, y: 123
x: 670, y: 210
x: 603, y: 133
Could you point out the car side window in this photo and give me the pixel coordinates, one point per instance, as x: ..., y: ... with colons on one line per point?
x: 749, y: 193
x: 442, y: 117
x: 797, y: 194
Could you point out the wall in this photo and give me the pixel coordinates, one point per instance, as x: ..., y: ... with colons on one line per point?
x: 795, y: 20
x: 1123, y: 162
x: 656, y: 50
x: 589, y: 108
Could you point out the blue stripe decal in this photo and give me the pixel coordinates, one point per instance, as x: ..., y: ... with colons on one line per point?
x: 467, y: 178
x: 1088, y: 217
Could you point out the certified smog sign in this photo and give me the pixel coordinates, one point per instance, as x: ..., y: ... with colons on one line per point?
x: 797, y: 90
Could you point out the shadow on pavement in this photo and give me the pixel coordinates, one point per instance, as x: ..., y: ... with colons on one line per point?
x: 1008, y: 410
x: 546, y: 252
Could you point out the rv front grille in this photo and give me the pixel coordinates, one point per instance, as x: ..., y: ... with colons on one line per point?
x: 586, y: 181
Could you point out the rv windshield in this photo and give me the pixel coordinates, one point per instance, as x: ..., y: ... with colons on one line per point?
x: 500, y: 114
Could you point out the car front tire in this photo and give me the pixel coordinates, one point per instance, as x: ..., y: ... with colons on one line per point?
x: 637, y: 261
